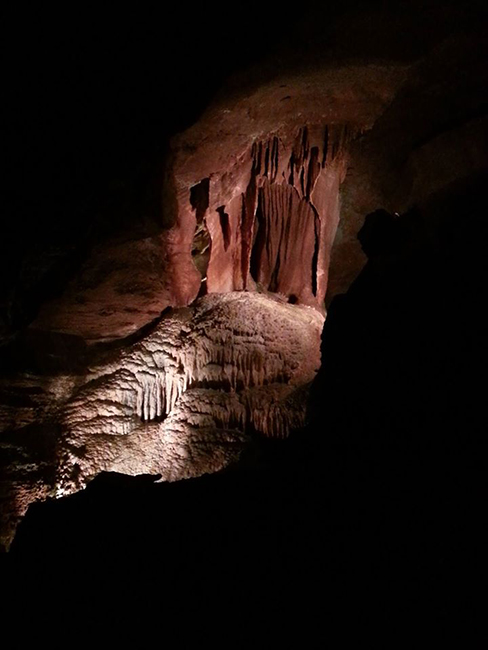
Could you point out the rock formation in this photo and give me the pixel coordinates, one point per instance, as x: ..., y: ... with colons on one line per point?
x: 183, y: 401
x: 160, y: 335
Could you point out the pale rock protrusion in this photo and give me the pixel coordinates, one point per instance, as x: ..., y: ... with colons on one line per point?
x: 184, y: 400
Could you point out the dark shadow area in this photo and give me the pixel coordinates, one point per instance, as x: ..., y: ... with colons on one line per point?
x: 225, y: 227
x: 402, y: 390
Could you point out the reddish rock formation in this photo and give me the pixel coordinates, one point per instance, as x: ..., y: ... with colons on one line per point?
x: 265, y: 192
x: 272, y: 233
x: 252, y: 160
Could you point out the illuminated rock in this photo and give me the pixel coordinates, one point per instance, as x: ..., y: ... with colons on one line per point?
x: 183, y: 401
x: 189, y: 394
x: 248, y: 200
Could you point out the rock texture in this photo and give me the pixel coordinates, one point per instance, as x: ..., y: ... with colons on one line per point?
x: 268, y: 222
x: 184, y: 401
x: 121, y: 287
x: 261, y: 171
x: 264, y: 192
x: 278, y: 231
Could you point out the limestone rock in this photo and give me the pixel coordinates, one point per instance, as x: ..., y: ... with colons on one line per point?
x: 183, y: 401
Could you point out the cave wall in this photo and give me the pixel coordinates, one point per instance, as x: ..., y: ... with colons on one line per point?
x: 263, y: 193
x: 269, y: 222
x: 396, y: 74
x: 424, y: 150
x: 293, y: 131
x: 277, y: 233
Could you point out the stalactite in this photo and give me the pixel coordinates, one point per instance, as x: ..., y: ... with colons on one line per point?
x: 278, y: 209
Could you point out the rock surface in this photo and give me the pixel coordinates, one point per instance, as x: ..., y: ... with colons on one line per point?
x: 265, y: 191
x: 184, y: 401
x: 259, y: 173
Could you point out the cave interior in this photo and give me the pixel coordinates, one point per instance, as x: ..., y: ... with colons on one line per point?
x: 242, y: 335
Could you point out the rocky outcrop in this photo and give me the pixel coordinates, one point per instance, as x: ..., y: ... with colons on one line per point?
x: 277, y: 233
x: 250, y: 197
x: 269, y: 223
x: 184, y: 401
x: 266, y: 163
